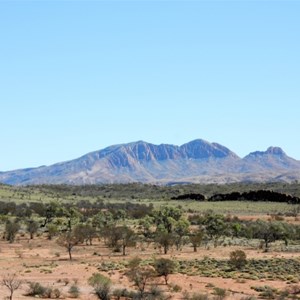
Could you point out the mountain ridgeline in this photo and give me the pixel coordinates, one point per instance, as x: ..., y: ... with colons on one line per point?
x: 195, y: 162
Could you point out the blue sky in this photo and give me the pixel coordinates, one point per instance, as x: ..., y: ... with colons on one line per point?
x: 77, y: 76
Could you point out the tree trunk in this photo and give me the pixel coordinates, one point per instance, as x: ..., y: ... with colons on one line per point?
x: 70, y: 225
x: 70, y: 253
x: 266, y: 245
x: 195, y: 248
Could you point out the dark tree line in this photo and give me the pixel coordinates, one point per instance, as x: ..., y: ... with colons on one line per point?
x: 259, y: 195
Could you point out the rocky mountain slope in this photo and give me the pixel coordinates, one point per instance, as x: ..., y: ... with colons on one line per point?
x: 196, y: 161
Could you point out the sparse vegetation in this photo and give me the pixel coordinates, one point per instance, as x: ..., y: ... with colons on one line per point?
x: 12, y: 283
x: 74, y: 291
x: 127, y: 236
x: 238, y: 259
x: 101, y: 286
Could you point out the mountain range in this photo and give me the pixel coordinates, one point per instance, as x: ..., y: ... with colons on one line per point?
x: 197, y: 161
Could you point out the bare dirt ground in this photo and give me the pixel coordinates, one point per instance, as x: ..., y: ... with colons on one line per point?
x: 43, y: 261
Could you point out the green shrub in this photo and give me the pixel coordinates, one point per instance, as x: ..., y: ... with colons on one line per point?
x: 176, y: 288
x: 238, y: 259
x: 101, y: 285
x: 199, y: 296
x: 119, y: 293
x: 155, y: 293
x: 36, y: 289
x: 266, y: 292
x: 220, y: 293
x: 74, y: 291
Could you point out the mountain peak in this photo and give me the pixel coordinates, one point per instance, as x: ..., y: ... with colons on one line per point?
x: 198, y: 149
x: 195, y: 161
x: 275, y: 151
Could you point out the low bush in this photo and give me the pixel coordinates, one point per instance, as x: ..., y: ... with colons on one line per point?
x: 219, y: 293
x: 199, y: 296
x: 36, y: 289
x: 238, y: 259
x: 74, y: 291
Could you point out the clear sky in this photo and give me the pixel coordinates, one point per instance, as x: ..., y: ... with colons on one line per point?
x: 78, y: 76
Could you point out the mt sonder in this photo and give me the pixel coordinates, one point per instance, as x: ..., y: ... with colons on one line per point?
x: 197, y: 161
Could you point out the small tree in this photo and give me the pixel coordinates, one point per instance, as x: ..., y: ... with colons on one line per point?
x: 12, y: 283
x: 269, y: 232
x: 50, y: 211
x: 73, y: 216
x: 85, y: 232
x: 52, y: 230
x: 134, y: 263
x: 238, y: 259
x: 215, y: 227
x: 164, y: 267
x: 181, y: 228
x: 101, y: 285
x: 146, y: 224
x: 167, y: 217
x: 11, y: 229
x: 196, y: 239
x: 112, y: 236
x: 128, y: 238
x: 140, y: 277
x: 68, y: 240
x: 32, y: 227
x: 165, y: 240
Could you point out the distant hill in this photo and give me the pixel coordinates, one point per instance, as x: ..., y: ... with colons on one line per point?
x: 195, y: 162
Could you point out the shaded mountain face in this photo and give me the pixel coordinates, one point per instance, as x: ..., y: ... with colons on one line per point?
x: 199, y: 149
x: 196, y: 161
x: 273, y: 158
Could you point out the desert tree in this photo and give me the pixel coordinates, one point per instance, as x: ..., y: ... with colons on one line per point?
x: 85, y: 233
x: 32, y: 227
x: 50, y: 211
x: 164, y: 267
x: 165, y: 240
x: 196, y: 238
x: 68, y: 240
x: 52, y: 230
x: 181, y: 228
x: 141, y: 276
x: 269, y: 232
x: 73, y: 216
x: 166, y: 217
x: 11, y: 229
x: 117, y: 237
x: 128, y: 238
x: 238, y: 259
x: 12, y: 282
x: 215, y: 227
x: 103, y: 219
x: 134, y: 263
x: 112, y: 236
x: 146, y: 224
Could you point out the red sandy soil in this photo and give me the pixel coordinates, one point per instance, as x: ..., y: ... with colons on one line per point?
x: 43, y: 261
